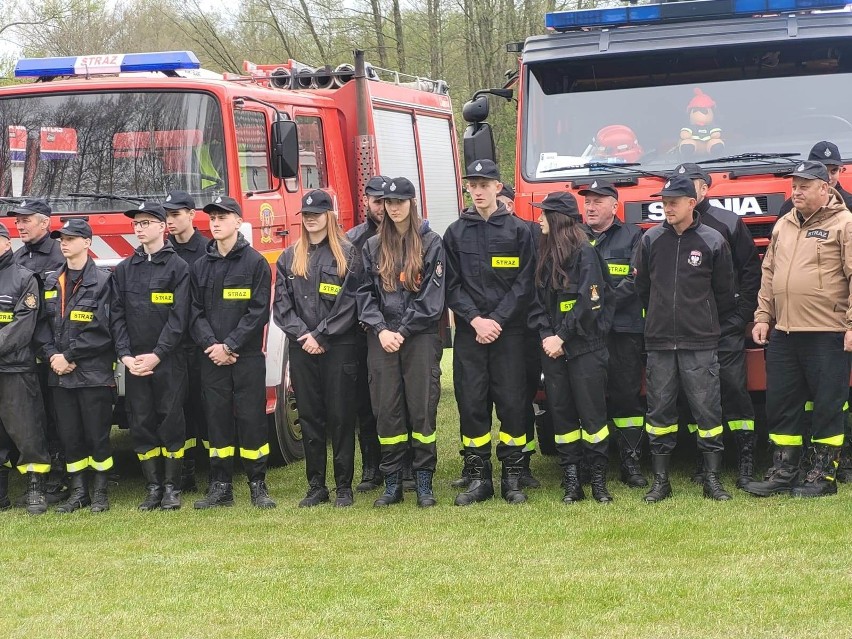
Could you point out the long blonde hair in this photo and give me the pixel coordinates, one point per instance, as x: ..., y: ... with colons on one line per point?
x: 335, y: 243
x: 401, y: 256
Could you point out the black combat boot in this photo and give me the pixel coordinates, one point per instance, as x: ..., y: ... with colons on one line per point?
x: 5, y: 502
x: 425, y: 495
x: 78, y: 496
x: 571, y: 484
x: 343, y: 497
x: 393, y: 490
x: 510, y: 489
x: 371, y: 478
x: 316, y: 495
x: 153, y: 484
x: 712, y: 484
x: 630, y: 452
x: 781, y: 476
x: 172, y: 483
x: 527, y: 480
x: 188, y: 484
x: 481, y: 485
x: 745, y: 456
x: 821, y: 479
x: 260, y: 494
x: 464, y: 480
x: 100, y: 500
x: 661, y: 488
x: 36, y: 502
x: 844, y: 467
x: 599, y: 491
x: 219, y: 493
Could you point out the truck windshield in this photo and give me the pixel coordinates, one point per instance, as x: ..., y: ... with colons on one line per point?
x: 127, y: 144
x: 660, y: 109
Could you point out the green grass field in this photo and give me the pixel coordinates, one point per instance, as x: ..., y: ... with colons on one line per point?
x: 688, y: 567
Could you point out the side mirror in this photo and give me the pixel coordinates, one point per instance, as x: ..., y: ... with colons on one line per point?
x: 479, y: 143
x: 284, y: 142
x: 476, y: 110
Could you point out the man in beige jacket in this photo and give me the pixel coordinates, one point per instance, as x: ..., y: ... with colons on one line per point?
x: 806, y: 290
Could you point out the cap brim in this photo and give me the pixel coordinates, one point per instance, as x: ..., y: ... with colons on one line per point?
x: 172, y: 206
x: 397, y: 196
x: 23, y: 212
x: 134, y: 212
x: 665, y: 193
x: 210, y: 208
x: 314, y: 209
x: 55, y: 234
x: 374, y: 192
x: 596, y: 192
x: 807, y: 176
x: 480, y: 175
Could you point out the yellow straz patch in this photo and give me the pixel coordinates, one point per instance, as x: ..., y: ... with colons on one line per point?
x: 236, y: 293
x: 5, y: 318
x: 329, y: 289
x: 619, y: 269
x: 505, y: 262
x: 82, y: 316
x: 567, y: 305
x: 49, y: 295
x: 162, y: 298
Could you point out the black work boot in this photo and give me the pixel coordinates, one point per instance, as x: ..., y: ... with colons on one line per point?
x: 712, y: 484
x: 806, y: 461
x: 527, y: 480
x: 510, y: 478
x: 844, y: 467
x: 343, y: 497
x: 821, y: 479
x: 464, y: 480
x: 661, y: 488
x: 78, y: 496
x: 599, y: 491
x: 315, y: 496
x: 188, y: 484
x: 260, y: 494
x: 781, y: 476
x: 571, y: 484
x: 745, y: 457
x: 425, y: 495
x: 172, y: 483
x: 100, y: 500
x: 393, y: 490
x: 153, y: 484
x: 371, y: 478
x: 481, y: 485
x: 36, y: 502
x: 630, y: 452
x: 5, y: 502
x: 219, y: 493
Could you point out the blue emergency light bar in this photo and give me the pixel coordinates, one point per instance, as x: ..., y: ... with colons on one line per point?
x: 85, y: 65
x: 679, y: 12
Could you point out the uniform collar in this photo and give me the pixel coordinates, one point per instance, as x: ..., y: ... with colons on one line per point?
x: 42, y: 245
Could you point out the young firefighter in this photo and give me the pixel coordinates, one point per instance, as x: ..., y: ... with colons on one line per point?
x: 149, y: 316
x: 78, y: 346
x: 231, y: 287
x: 21, y: 408
x: 190, y: 245
x: 490, y: 269
x: 401, y: 300
x: 314, y: 305
x: 368, y: 440
x: 573, y: 313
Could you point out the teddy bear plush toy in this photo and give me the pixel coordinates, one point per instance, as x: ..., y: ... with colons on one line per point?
x: 701, y: 137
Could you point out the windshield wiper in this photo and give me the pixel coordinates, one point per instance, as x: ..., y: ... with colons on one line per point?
x: 745, y: 157
x: 624, y: 169
x: 107, y: 196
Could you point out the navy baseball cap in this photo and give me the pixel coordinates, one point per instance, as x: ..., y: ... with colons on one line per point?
x: 376, y: 186
x: 31, y: 206
x: 827, y: 153
x: 560, y: 202
x: 482, y: 169
x: 693, y: 172
x: 223, y: 204
x: 73, y: 228
x: 810, y: 170
x: 678, y: 186
x: 399, y: 189
x: 600, y: 187
x: 507, y: 191
x: 4, y: 232
x: 176, y: 200
x: 317, y: 201
x: 151, y: 208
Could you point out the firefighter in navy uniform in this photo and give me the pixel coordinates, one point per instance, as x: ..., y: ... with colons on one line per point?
x: 40, y: 254
x: 368, y: 439
x: 231, y: 290
x: 190, y: 245
x: 737, y: 409
x: 314, y: 305
x: 77, y: 344
x: 21, y: 406
x: 616, y: 243
x: 149, y: 319
x: 490, y: 267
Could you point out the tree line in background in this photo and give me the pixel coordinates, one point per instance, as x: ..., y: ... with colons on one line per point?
x: 460, y: 41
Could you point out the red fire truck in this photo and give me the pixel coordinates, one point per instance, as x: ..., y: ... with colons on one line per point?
x: 744, y: 87
x: 95, y: 134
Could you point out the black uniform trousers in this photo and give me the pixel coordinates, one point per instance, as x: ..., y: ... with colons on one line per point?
x: 625, y: 406
x: 366, y: 416
x: 405, y: 388
x: 802, y: 367
x: 84, y: 420
x: 576, y: 395
x: 483, y: 373
x: 697, y: 374
x: 532, y: 361
x: 325, y: 388
x: 54, y: 440
x: 22, y: 423
x: 235, y: 408
x: 737, y: 409
x: 193, y: 407
x: 154, y: 405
